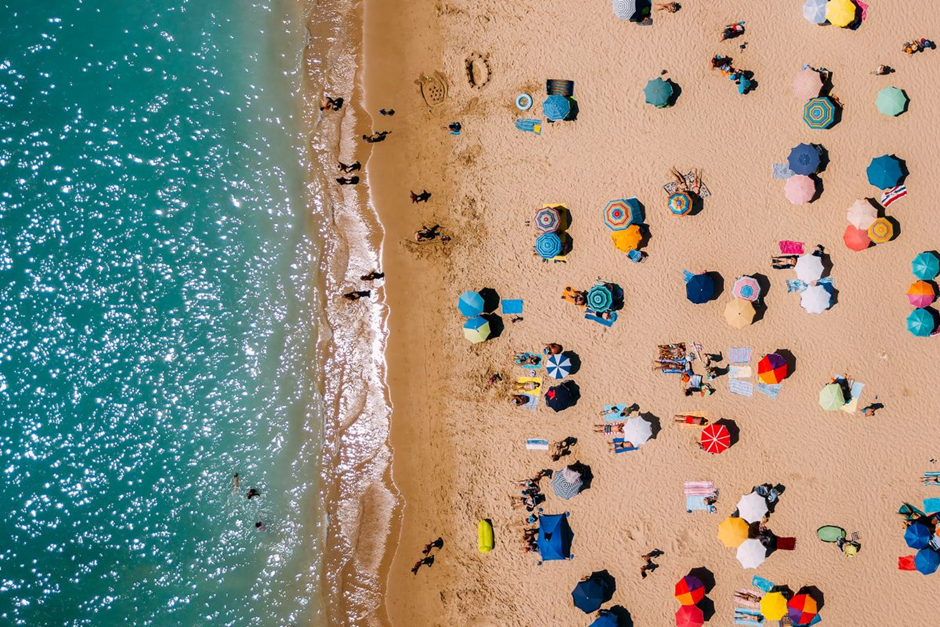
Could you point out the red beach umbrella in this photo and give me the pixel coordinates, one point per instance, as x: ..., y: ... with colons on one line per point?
x: 690, y: 590
x: 856, y: 239
x: 772, y: 369
x: 689, y: 616
x: 715, y: 439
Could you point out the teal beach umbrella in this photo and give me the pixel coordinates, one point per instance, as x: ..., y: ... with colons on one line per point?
x: 891, y: 101
x: 470, y: 304
x: 921, y: 323
x: 925, y: 266
x: 885, y: 171
x: 658, y: 92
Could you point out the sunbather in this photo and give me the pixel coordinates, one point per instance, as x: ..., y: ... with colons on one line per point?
x: 669, y: 7
x: 930, y: 480
x: 609, y: 428
x: 617, y: 447
x: 519, y: 399
x: 698, y: 421
x: 783, y: 262
x: 552, y: 349
x: 525, y: 386
x: 732, y: 30
x: 624, y: 413
x: 528, y: 359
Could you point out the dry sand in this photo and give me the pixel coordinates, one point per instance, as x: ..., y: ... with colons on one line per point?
x: 459, y: 446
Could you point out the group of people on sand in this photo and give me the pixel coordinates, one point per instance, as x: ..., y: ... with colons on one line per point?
x: 918, y: 44
x: 518, y: 396
x: 531, y: 495
x: 741, y: 78
x: 428, y: 559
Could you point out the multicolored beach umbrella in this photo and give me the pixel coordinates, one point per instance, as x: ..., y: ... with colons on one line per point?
x: 627, y: 239
x: 733, y: 531
x: 891, y: 101
x: 927, y: 561
x: 556, y: 107
x: 804, y: 159
x: 815, y: 11
x: 921, y: 294
x: 921, y: 323
x: 861, y: 214
x: 558, y: 366
x: 746, y: 287
x: 802, y: 609
x: 548, y: 219
x: 548, y: 245
x: 690, y: 590
x: 831, y: 397
x: 566, y: 484
x: 700, y: 289
x: 619, y: 214
x: 856, y: 239
x: 600, y: 298
x: 807, y: 84
x: 815, y: 299
x: 885, y: 172
x: 918, y: 535
x: 658, y: 92
x: 476, y: 329
x: 841, y: 13
x: 680, y: 203
x: 819, y: 113
x: 470, y: 304
x: 925, y: 266
x: 773, y: 606
x: 739, y: 313
x: 799, y: 189
x: 751, y: 553
x: 881, y: 231
x: 715, y: 439
x: 772, y: 369
x: 690, y: 616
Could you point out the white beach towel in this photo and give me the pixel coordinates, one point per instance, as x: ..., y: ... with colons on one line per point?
x: 535, y: 444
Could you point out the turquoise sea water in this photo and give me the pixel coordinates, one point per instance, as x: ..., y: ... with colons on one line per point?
x: 157, y: 316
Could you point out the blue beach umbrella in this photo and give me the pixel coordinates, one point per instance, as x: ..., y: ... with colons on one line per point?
x: 819, y: 113
x: 476, y: 329
x: 927, y: 561
x: 470, y: 304
x: 804, y: 159
x: 658, y: 92
x: 885, y: 171
x: 589, y: 596
x: 925, y: 266
x: 555, y: 536
x: 558, y: 366
x: 918, y: 535
x: 548, y: 245
x: 815, y: 11
x: 921, y: 323
x: 556, y: 107
x: 600, y: 298
x: 605, y: 620
x: 700, y: 289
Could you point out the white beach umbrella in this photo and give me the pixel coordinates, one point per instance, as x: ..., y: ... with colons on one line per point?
x: 809, y: 268
x: 751, y: 553
x: 862, y: 214
x: 815, y: 11
x: 815, y: 299
x: 637, y: 431
x: 752, y: 507
x: 624, y: 9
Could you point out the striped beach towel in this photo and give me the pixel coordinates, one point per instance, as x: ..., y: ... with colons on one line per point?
x: 739, y: 355
x: 771, y: 390
x: 699, y: 488
x: 890, y: 195
x: 741, y: 388
x: 535, y: 444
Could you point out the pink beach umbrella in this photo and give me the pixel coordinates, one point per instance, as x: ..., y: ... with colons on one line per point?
x: 800, y: 189
x: 746, y: 287
x: 921, y: 294
x: 807, y: 84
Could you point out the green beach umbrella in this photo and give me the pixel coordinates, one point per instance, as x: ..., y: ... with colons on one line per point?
x: 921, y: 323
x: 658, y: 92
x: 476, y: 329
x: 831, y: 397
x: 891, y: 101
x: 925, y: 266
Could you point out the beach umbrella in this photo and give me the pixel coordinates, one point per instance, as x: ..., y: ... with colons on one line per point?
x: 470, y: 304
x: 566, y: 484
x: 831, y: 397
x: 809, y: 268
x: 891, y: 101
x: 802, y: 609
x: 799, y: 189
x: 746, y: 287
x: 658, y: 92
x: 885, y: 172
x: 600, y: 298
x: 815, y: 11
x: 627, y: 239
x: 588, y: 596
x: 619, y: 214
x: 819, y: 113
x: 637, y: 431
x: 815, y: 299
x: 807, y: 84
x: 559, y: 397
x: 861, y: 214
x: 680, y: 203
x: 690, y: 590
x: 917, y: 535
x: 556, y: 107
x: 772, y: 369
x: 856, y: 239
x: 751, y: 553
x: 548, y: 219
x: 555, y: 536
x: 689, y: 616
x: 841, y: 13
x: 926, y: 561
x: 925, y: 266
x: 548, y: 245
x: 921, y: 323
x: 715, y: 438
x: 773, y: 606
x: 881, y: 231
x: 624, y: 9
x: 558, y: 366
x: 921, y: 294
x: 752, y: 507
x: 732, y: 531
x: 605, y: 620
x: 700, y: 289
x: 804, y: 159
x: 476, y: 329
x: 739, y: 313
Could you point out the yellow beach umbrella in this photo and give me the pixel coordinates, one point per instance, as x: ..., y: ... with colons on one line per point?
x: 881, y: 231
x: 841, y: 13
x: 773, y: 606
x: 627, y: 239
x: 732, y: 531
x: 739, y: 313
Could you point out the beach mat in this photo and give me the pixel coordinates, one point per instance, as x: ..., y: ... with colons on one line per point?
x: 739, y: 355
x: 696, y: 503
x: 672, y: 187
x: 512, y: 306
x: 932, y: 506
x: 769, y: 389
x: 762, y: 584
x: 741, y: 388
x: 613, y: 412
x: 529, y: 125
x: 535, y: 444
x: 740, y: 372
x: 789, y: 247
x: 626, y: 450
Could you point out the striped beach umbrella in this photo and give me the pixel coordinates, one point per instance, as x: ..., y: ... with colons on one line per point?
x: 925, y: 266
x: 476, y: 329
x: 621, y: 213
x: 733, y: 531
x: 799, y: 189
x: 700, y: 289
x: 548, y: 245
x: 885, y: 172
x: 856, y: 239
x: 470, y: 304
x: 819, y: 113
x: 861, y: 214
x: 927, y: 561
x: 809, y: 268
x: 921, y: 294
x: 658, y: 92
x: 690, y: 616
x: 746, y: 287
x: 802, y: 609
x: 752, y: 507
x: 751, y: 553
x: 807, y: 84
x: 815, y: 11
x: 558, y: 366
x: 772, y: 369
x: 815, y: 299
x: 637, y: 431
x: 556, y: 107
x: 921, y: 323
x: 773, y: 606
x: 841, y: 13
x: 548, y: 219
x: 831, y: 397
x: 600, y: 298
x: 680, y: 203
x: 804, y: 159
x: 689, y: 590
x: 881, y: 231
x: 715, y: 439
x: 624, y: 9
x: 739, y: 313
x: 627, y: 239
x: 567, y: 483
x: 891, y: 101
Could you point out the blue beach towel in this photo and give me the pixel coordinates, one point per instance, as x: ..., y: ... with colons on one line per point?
x: 512, y: 307
x: 771, y: 390
x: 687, y: 276
x: 529, y: 125
x: 696, y: 503
x: 607, y: 323
x: 932, y: 505
x: 762, y: 584
x: 537, y: 366
x: 626, y: 450
x: 613, y: 412
x: 796, y: 285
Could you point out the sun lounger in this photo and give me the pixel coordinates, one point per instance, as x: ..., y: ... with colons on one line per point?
x: 612, y: 413
x: 529, y: 125
x: 739, y: 355
x: 590, y: 315
x: 762, y: 584
x: 741, y: 388
x: 512, y: 306
x: 769, y: 389
x: 535, y: 444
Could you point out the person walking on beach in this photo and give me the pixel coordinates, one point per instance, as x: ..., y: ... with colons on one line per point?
x: 437, y: 544
x: 422, y: 197
x: 372, y: 276
x: 348, y: 180
x: 333, y: 104
x: 352, y: 167
x: 386, y: 111
x: 356, y: 295
x: 376, y: 137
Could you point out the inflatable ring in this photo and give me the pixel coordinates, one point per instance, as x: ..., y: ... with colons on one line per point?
x: 524, y: 102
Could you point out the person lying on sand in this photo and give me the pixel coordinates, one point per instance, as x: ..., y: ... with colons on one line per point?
x: 528, y: 359
x: 519, y: 399
x: 669, y: 7
x: 784, y: 262
x: 552, y: 349
x: 883, y: 70
x: 691, y: 420
x: 560, y: 449
x: 609, y: 428
x: 624, y: 413
x: 577, y: 297
x: 732, y: 30
x: 617, y: 447
x: 527, y: 386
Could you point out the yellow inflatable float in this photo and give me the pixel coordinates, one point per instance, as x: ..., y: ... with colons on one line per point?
x: 485, y: 536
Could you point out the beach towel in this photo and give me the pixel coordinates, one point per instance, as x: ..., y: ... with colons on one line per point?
x: 699, y: 488
x: 762, y: 584
x: 741, y: 388
x: 613, y: 413
x: 696, y: 503
x: 739, y: 372
x: 789, y: 247
x: 906, y: 562
x: 895, y: 193
x: 532, y: 403
x: 672, y: 186
x: 786, y: 544
x: 530, y: 366
x: 536, y: 380
x: 739, y: 355
x: 746, y: 621
x: 852, y: 405
x: 529, y: 125
x: 512, y: 306
x: 796, y: 285
x: 535, y: 444
x: 932, y: 506
x: 687, y: 276
x: 768, y: 389
x: 625, y: 450
x: 590, y: 315
x: 781, y: 171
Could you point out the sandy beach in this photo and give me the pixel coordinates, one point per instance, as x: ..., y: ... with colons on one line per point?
x: 458, y: 446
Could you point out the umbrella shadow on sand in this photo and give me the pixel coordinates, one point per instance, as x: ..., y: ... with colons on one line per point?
x: 622, y: 615
x: 610, y: 583
x: 587, y: 477
x: 789, y: 358
x: 655, y: 423
x: 496, y: 325
x: 820, y: 187
x: 575, y: 360
x: 719, y: 282
x: 816, y: 594
x: 823, y: 158
x: 733, y: 430
x: 760, y: 306
x: 707, y: 578
x: 676, y: 92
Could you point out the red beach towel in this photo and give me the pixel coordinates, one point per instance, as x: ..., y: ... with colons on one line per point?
x: 906, y: 563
